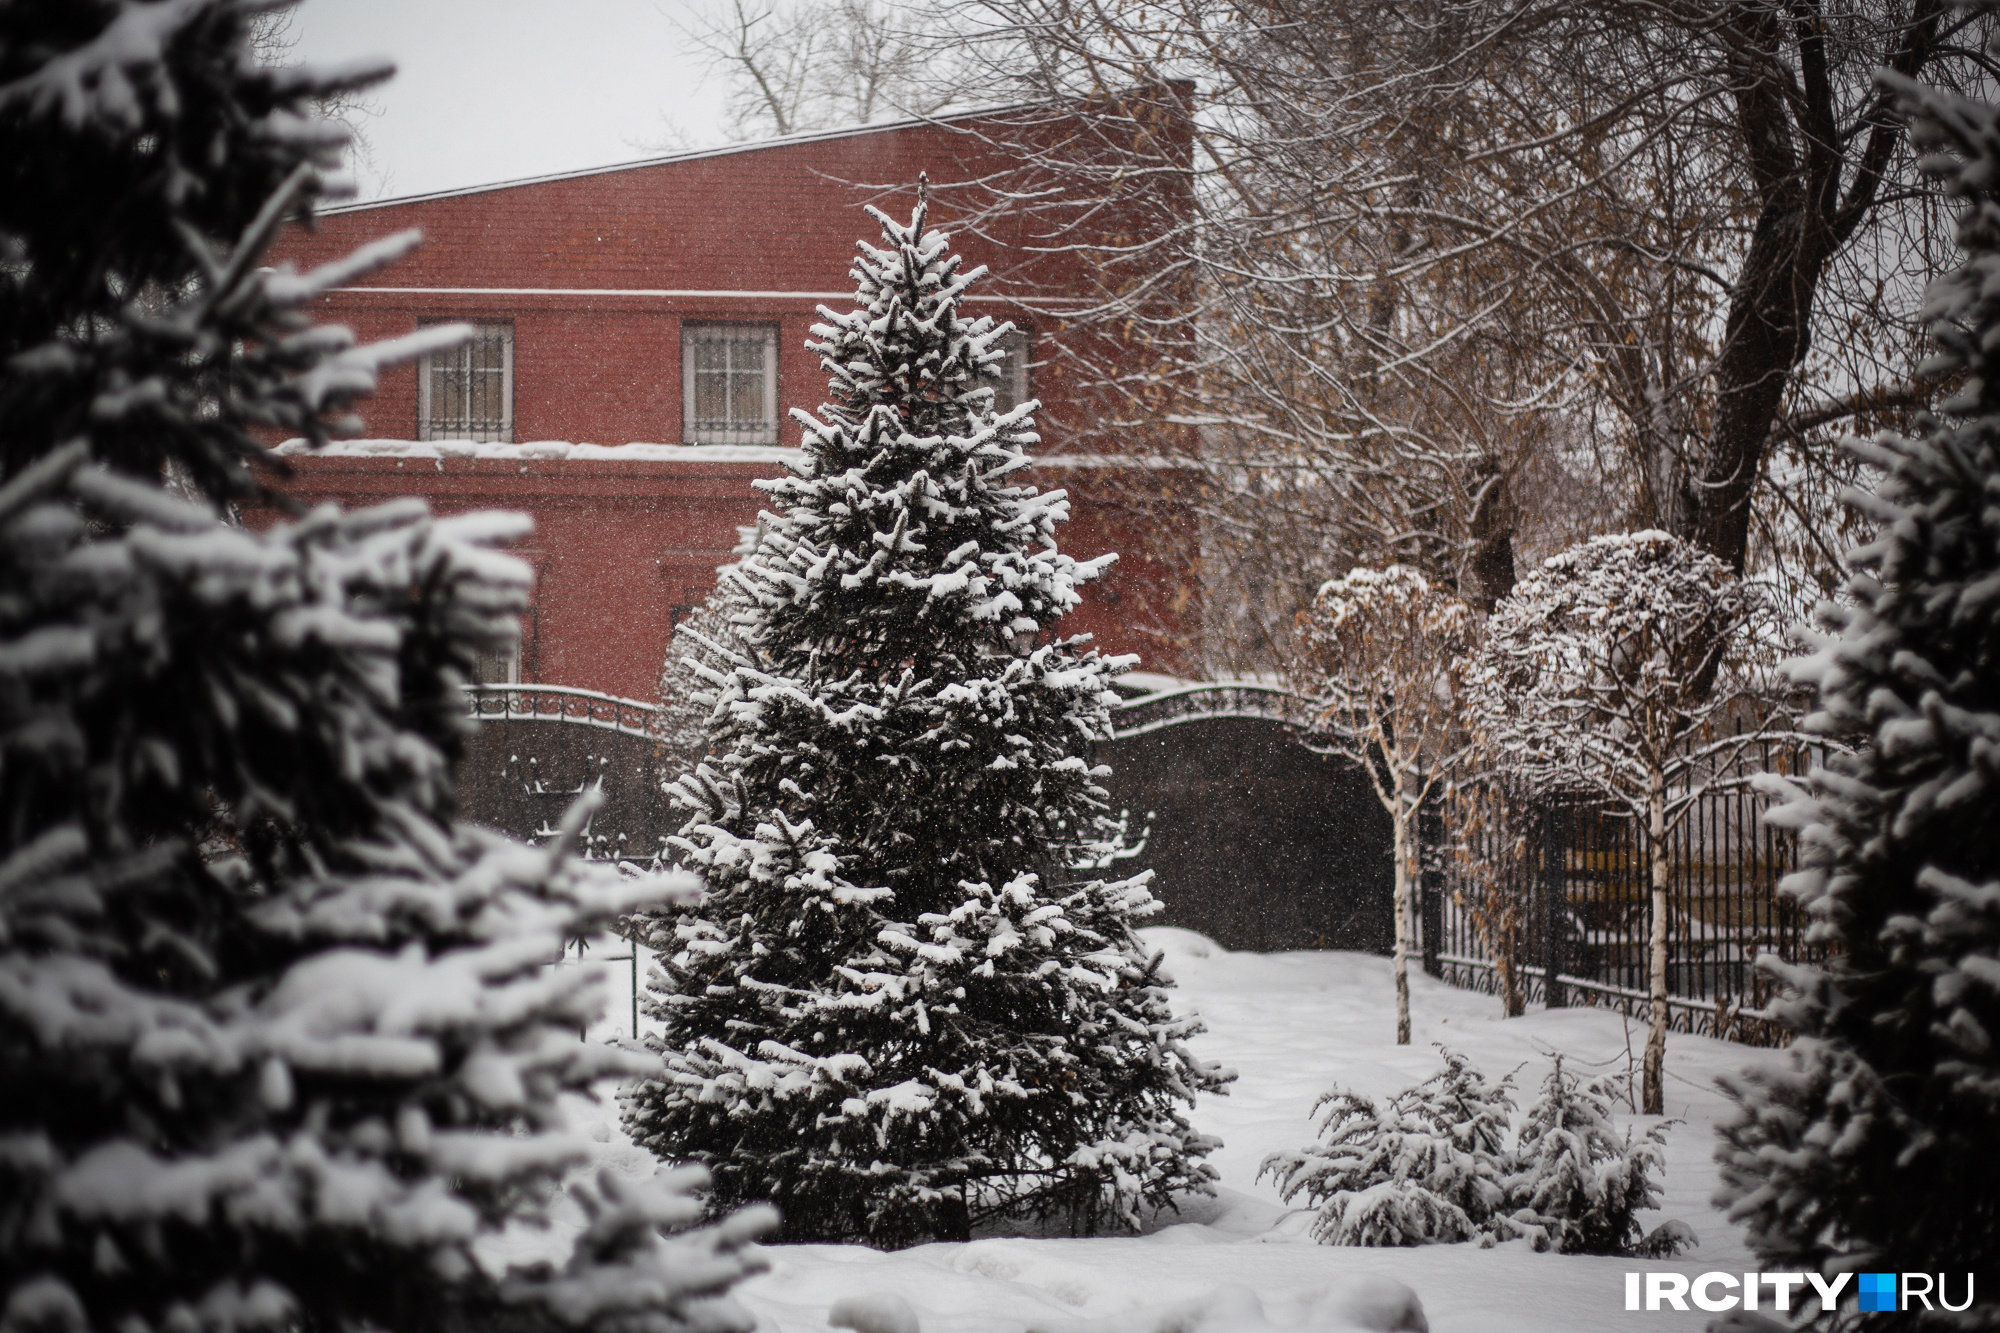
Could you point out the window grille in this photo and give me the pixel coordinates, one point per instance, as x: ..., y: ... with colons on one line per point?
x: 729, y: 383
x: 467, y: 393
x: 513, y: 664
x: 499, y: 666
x: 1012, y: 389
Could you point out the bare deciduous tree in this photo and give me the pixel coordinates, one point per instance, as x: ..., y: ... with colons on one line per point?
x: 1451, y: 283
x: 1626, y: 668
x: 1439, y: 257
x: 1388, y: 653
x: 795, y: 65
x: 275, y: 39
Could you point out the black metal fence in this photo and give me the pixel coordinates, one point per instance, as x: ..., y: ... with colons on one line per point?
x: 1550, y: 900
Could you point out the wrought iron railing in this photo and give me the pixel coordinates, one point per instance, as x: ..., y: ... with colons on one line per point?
x: 1728, y: 1017
x: 1563, y: 887
x: 1135, y: 717
x: 563, y: 703
x: 1217, y: 699
x: 1533, y: 883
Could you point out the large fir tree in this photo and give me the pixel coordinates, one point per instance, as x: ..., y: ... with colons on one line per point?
x: 903, y: 1006
x: 278, y: 1042
x: 1872, y: 1146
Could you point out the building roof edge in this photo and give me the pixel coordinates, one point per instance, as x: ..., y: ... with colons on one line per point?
x: 670, y: 159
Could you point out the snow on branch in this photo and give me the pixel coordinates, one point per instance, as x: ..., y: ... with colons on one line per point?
x: 1629, y: 663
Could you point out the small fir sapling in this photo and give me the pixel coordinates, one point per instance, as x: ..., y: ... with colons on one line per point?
x: 902, y: 1007
x: 279, y: 1044
x: 1438, y: 1163
x: 1386, y: 653
x: 1428, y: 1167
x: 1872, y: 1146
x: 1627, y: 668
x: 1578, y: 1185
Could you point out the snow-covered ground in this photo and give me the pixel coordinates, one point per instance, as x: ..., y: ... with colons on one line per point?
x: 1292, y: 1025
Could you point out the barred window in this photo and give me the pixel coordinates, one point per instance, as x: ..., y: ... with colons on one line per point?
x: 729, y: 383
x: 499, y: 666
x: 467, y: 393
x: 1012, y: 390
x: 514, y: 663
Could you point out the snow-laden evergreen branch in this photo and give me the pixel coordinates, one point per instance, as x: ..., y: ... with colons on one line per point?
x: 279, y: 1036
x: 1442, y: 1162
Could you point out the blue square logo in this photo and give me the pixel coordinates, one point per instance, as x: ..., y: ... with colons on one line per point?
x: 1877, y: 1291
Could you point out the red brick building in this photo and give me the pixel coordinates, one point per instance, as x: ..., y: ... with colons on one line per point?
x: 651, y: 318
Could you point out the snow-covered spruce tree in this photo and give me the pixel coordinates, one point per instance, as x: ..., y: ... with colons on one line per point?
x: 1430, y: 1167
x: 1387, y: 653
x: 1872, y: 1147
x: 901, y: 1008
x: 278, y: 1045
x: 1626, y: 668
x: 1578, y: 1185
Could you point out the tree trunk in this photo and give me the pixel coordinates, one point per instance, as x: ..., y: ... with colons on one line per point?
x: 953, y: 1219
x: 1406, y: 814
x: 1798, y: 160
x: 1656, y: 962
x: 1766, y: 337
x: 1764, y: 334
x: 1490, y: 568
x: 1512, y: 1003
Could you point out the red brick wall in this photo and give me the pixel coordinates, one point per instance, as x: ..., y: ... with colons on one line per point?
x: 783, y: 216
x: 597, y: 272
x: 596, y: 370
x: 583, y: 264
x: 620, y: 545
x: 617, y: 545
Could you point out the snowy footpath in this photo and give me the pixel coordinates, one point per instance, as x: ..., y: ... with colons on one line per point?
x: 1291, y: 1025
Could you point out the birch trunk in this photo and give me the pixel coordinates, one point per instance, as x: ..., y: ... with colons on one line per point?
x: 1512, y: 1005
x: 1654, y: 1094
x: 1405, y: 815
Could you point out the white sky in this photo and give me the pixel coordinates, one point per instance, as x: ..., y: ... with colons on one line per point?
x: 488, y: 90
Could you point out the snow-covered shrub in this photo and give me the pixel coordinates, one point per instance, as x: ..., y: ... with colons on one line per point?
x: 1873, y: 1146
x: 1430, y: 1166
x: 1386, y: 654
x: 901, y: 1007
x: 1628, y: 668
x: 278, y: 1044
x: 1577, y: 1184
x: 1439, y: 1163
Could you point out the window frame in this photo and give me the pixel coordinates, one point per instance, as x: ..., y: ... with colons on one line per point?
x: 766, y: 433
x: 505, y: 668
x: 519, y: 665
x: 426, y: 366
x: 1019, y: 345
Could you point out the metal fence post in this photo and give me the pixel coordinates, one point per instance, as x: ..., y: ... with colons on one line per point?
x: 1430, y: 898
x: 1555, y: 895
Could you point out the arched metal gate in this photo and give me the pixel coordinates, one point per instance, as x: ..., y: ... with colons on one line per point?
x: 1255, y: 839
